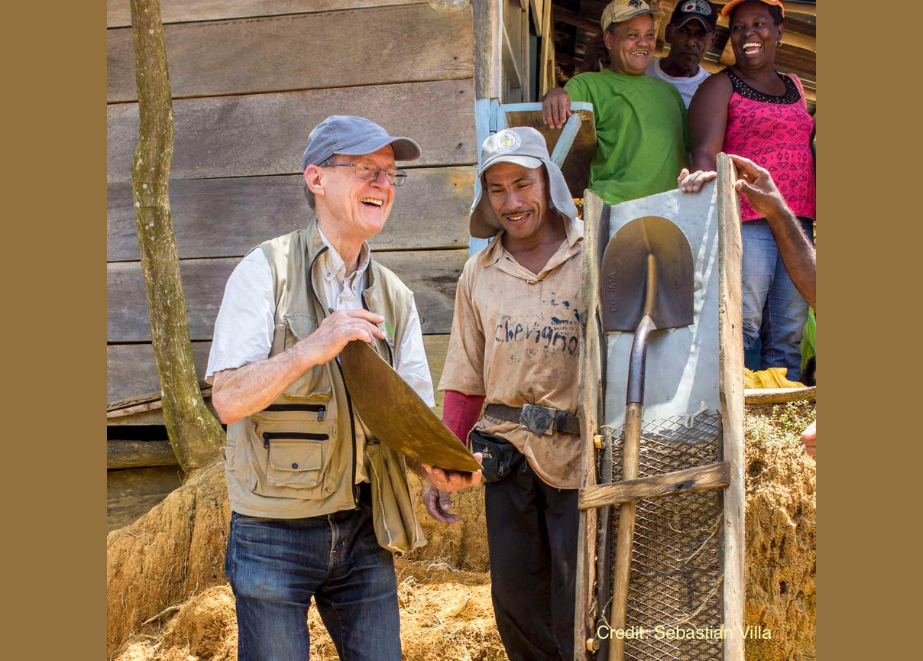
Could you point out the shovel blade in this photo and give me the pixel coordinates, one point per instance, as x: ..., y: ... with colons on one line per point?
x: 624, y: 275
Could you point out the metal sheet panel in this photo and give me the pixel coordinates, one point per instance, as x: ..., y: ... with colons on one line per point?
x: 682, y: 363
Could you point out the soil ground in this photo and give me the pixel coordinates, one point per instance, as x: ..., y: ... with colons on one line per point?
x: 168, y: 599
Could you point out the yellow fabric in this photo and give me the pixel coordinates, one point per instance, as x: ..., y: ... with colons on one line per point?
x: 774, y: 377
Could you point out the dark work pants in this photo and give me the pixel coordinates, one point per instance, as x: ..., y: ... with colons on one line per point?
x: 532, y: 536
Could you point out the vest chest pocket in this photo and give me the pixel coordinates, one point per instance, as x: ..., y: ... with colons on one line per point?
x: 296, y: 328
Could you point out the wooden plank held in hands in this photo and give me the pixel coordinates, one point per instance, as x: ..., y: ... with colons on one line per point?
x: 670, y: 484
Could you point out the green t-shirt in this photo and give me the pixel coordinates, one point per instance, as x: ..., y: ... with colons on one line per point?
x: 640, y: 133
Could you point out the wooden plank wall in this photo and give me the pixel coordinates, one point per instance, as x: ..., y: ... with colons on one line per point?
x: 250, y: 79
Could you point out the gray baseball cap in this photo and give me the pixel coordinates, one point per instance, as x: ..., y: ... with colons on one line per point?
x: 353, y: 136
x: 523, y: 146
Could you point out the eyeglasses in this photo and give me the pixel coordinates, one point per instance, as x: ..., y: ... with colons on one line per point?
x: 370, y: 172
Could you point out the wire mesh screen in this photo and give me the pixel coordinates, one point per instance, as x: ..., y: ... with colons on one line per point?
x: 675, y: 579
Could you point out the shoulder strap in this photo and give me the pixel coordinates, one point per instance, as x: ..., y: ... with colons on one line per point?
x: 795, y: 79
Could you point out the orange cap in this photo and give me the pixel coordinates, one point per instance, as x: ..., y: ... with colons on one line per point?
x: 733, y: 3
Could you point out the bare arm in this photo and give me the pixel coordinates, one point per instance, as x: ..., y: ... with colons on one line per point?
x: 708, y: 114
x: 239, y: 392
x: 706, y: 121
x: 798, y: 254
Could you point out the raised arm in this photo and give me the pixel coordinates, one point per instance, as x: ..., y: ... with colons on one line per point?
x: 798, y: 254
x: 239, y: 392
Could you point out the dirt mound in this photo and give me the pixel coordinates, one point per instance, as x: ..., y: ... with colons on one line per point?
x: 177, y: 549
x: 460, y: 545
x: 175, y: 553
x: 781, y: 565
x: 172, y: 552
x: 444, y: 615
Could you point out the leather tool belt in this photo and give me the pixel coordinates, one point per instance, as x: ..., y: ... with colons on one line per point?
x: 540, y: 420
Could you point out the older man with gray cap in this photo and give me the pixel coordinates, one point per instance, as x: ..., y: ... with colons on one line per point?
x: 515, y: 342
x: 304, y: 474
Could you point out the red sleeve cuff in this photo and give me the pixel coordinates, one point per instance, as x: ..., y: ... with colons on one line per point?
x: 460, y: 412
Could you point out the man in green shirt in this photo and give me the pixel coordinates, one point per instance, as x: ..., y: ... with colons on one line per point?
x: 640, y: 121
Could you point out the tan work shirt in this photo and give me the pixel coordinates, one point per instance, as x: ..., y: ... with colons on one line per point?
x: 516, y: 339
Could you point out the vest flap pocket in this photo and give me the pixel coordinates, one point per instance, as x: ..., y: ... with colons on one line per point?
x: 301, y: 325
x: 295, y: 464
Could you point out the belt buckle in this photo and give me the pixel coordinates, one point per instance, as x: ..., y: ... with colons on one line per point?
x: 537, y: 419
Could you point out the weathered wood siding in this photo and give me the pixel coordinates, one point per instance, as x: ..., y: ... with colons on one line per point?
x: 250, y: 79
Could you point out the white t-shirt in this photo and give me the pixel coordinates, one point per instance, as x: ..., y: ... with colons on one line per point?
x: 686, y: 86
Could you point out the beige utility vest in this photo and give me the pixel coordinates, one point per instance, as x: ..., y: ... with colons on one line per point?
x: 296, y: 458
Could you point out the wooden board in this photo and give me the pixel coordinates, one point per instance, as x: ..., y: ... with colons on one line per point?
x: 431, y: 275
x: 591, y: 369
x: 731, y: 391
x: 576, y: 169
x: 132, y: 492
x: 430, y: 211
x: 688, y: 480
x: 131, y: 370
x: 139, y: 454
x: 302, y: 51
x: 766, y: 396
x: 118, y: 13
x: 265, y: 134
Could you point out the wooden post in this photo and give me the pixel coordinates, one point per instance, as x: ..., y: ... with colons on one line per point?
x: 731, y: 393
x: 591, y: 373
x: 194, y: 432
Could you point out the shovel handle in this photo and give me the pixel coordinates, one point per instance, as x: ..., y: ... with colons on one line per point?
x: 625, y: 539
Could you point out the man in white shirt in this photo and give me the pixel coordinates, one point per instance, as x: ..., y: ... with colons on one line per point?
x: 690, y: 34
x: 318, y: 505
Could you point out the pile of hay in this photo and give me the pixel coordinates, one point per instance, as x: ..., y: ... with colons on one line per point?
x: 172, y: 552
x: 444, y: 615
x: 176, y: 551
x: 168, y: 598
x: 781, y: 518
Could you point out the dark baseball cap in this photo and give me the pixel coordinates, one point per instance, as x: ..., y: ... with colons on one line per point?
x: 354, y: 136
x: 700, y: 10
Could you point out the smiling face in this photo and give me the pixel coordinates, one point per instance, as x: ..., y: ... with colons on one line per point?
x: 631, y: 45
x: 357, y: 206
x: 754, y: 35
x: 519, y: 197
x: 688, y: 45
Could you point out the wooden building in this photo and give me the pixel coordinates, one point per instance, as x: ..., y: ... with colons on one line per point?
x: 250, y: 78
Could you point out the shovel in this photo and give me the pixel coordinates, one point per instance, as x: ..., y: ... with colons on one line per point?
x: 648, y: 278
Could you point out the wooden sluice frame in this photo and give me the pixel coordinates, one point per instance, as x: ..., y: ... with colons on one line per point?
x: 728, y: 475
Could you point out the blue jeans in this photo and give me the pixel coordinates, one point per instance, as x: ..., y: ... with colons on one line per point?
x: 277, y: 565
x: 773, y: 310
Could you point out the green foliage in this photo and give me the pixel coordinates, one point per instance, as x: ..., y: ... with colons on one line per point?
x: 781, y: 423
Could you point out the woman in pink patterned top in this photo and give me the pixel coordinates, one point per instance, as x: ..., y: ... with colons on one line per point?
x: 753, y: 111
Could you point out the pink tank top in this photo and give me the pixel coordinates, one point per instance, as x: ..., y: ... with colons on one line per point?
x: 774, y: 132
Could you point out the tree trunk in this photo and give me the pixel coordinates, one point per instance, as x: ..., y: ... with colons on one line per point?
x: 194, y: 432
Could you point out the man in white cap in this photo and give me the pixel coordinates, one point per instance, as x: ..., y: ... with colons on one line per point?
x: 640, y: 121
x: 515, y: 342
x: 301, y: 467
